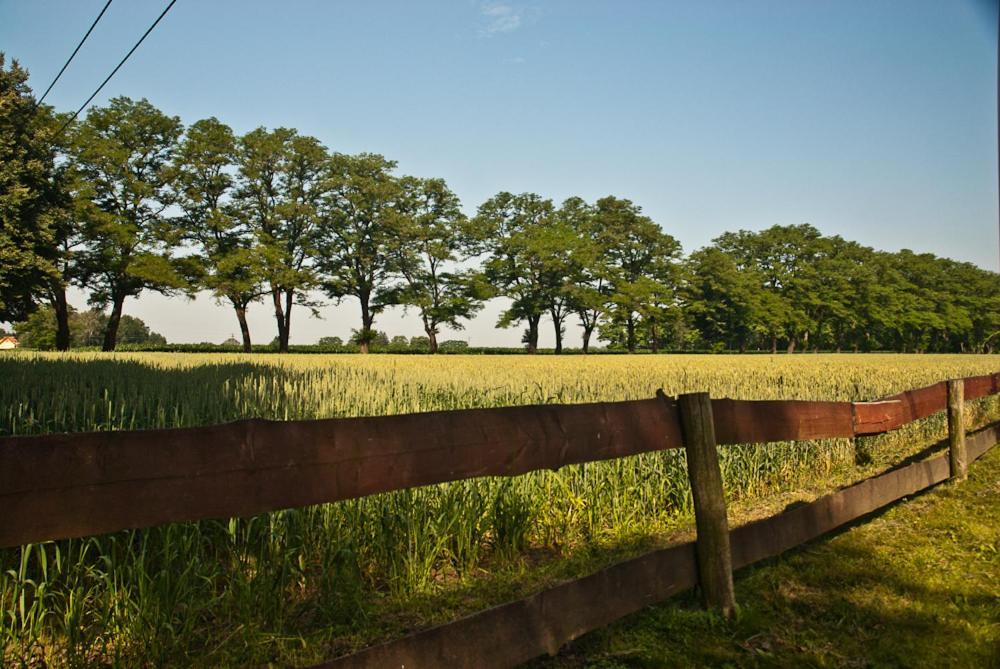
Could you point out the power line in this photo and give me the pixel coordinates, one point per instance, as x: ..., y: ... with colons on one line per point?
x: 73, y: 55
x: 117, y: 67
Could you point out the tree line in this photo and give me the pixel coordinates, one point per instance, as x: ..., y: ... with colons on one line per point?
x: 129, y: 200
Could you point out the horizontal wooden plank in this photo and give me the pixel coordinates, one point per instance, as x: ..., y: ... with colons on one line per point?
x: 69, y: 485
x: 977, y: 443
x: 877, y: 417
x: 517, y: 632
x: 73, y: 485
x: 981, y: 386
x: 541, y: 624
x: 923, y: 402
x: 766, y: 538
x: 759, y: 421
x: 769, y: 537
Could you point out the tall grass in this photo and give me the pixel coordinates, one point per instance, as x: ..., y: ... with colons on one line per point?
x: 298, y: 585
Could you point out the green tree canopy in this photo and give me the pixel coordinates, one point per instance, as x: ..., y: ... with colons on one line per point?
x: 123, y: 152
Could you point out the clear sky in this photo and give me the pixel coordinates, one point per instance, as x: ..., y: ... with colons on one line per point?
x: 875, y: 120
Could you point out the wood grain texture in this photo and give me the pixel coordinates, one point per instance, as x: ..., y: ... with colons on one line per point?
x: 715, y: 566
x: 541, y: 624
x: 759, y: 421
x: 517, y: 632
x: 62, y: 486
x: 72, y: 485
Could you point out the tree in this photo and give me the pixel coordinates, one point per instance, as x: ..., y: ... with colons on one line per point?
x: 40, y: 329
x: 361, y: 225
x: 374, y: 338
x: 454, y: 345
x: 432, y: 235
x: 589, y: 286
x: 123, y: 152
x: 421, y: 344
x: 785, y: 257
x: 725, y: 304
x: 229, y: 265
x: 28, y: 190
x: 641, y: 263
x: 133, y: 330
x: 332, y: 342
x: 280, y: 184
x: 508, y: 228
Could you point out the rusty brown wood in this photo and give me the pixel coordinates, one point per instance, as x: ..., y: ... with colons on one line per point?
x: 70, y: 485
x: 517, y: 632
x: 759, y: 421
x: 514, y: 633
x: 62, y: 486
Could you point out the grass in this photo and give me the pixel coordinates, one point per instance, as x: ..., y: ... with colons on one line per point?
x: 298, y: 586
x: 917, y: 585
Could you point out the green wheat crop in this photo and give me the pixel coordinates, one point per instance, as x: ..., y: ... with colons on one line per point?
x: 299, y: 585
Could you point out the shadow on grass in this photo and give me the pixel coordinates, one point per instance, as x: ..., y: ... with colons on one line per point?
x: 912, y: 585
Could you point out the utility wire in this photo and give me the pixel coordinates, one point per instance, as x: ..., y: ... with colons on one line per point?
x: 117, y: 67
x: 73, y: 55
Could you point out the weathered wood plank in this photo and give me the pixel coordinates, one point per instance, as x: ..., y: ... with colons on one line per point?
x: 957, y: 460
x: 69, y: 485
x: 514, y: 633
x: 715, y: 566
x: 62, y: 486
x: 760, y: 421
x: 878, y: 417
x: 517, y: 632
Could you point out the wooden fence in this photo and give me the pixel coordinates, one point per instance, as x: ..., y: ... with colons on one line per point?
x: 81, y: 484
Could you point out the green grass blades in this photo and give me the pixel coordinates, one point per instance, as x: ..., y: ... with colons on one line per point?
x: 301, y: 585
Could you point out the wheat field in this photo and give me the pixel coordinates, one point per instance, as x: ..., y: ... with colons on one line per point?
x: 300, y: 585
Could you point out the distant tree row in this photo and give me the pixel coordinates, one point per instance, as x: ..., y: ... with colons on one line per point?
x: 87, y: 329
x: 129, y: 200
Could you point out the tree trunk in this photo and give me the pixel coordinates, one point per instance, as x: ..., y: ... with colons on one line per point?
x: 432, y: 339
x: 289, y: 295
x: 630, y: 334
x: 791, y: 344
x: 559, y: 334
x: 654, y: 343
x: 587, y: 331
x: 111, y: 333
x: 774, y: 344
x: 367, y: 320
x: 533, y: 333
x: 279, y: 316
x: 62, y: 317
x: 241, y: 316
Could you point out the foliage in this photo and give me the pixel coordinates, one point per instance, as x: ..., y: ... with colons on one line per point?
x: 39, y: 330
x: 28, y: 193
x: 358, y: 235
x: 432, y: 236
x: 122, y: 153
x: 129, y: 201
x: 228, y: 262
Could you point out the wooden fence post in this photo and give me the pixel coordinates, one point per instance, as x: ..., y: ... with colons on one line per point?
x: 956, y: 430
x: 715, y: 562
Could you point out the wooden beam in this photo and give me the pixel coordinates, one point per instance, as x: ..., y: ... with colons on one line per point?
x: 74, y: 485
x: 715, y: 566
x: 957, y: 457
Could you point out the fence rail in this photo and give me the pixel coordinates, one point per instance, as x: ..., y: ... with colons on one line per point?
x: 72, y: 485
x: 79, y: 484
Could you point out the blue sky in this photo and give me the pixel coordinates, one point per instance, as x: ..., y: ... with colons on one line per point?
x: 873, y: 120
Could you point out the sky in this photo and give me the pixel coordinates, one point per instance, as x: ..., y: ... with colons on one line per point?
x: 873, y: 120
